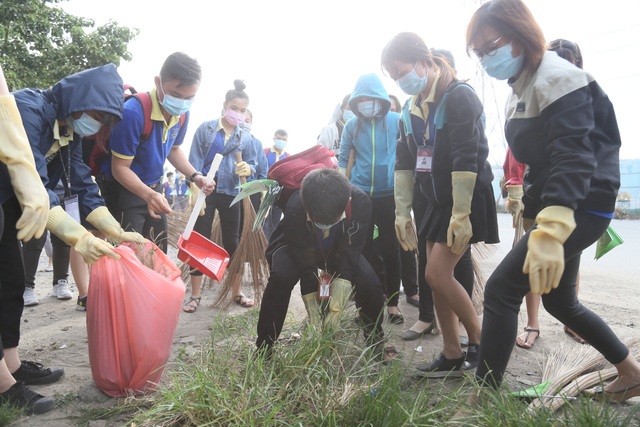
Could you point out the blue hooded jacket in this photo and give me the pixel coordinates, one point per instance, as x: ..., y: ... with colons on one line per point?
x: 373, y: 139
x: 99, y: 89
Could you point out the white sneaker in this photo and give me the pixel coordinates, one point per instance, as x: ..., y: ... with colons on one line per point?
x: 29, y: 297
x: 61, y: 290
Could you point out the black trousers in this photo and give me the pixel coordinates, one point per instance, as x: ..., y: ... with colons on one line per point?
x: 11, y: 276
x: 133, y: 214
x: 383, y: 214
x: 229, y: 222
x: 507, y: 286
x: 285, y: 274
x: 32, y: 250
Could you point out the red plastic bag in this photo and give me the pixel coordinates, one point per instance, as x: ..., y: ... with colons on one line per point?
x: 132, y: 313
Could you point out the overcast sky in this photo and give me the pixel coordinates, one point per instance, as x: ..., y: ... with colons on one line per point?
x: 299, y: 58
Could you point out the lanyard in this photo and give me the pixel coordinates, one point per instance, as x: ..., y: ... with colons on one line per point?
x: 66, y: 166
x: 429, y: 135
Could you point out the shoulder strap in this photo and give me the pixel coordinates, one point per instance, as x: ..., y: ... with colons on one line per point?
x: 145, y: 100
x: 440, y: 116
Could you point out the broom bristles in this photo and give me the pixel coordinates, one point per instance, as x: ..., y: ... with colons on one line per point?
x: 250, y: 251
x: 519, y: 230
x: 575, y: 370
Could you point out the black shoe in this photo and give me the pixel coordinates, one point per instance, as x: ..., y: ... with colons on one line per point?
x: 473, y: 353
x: 442, y: 367
x: 22, y: 397
x: 32, y: 373
x: 413, y: 302
x: 396, y: 319
x: 81, y: 305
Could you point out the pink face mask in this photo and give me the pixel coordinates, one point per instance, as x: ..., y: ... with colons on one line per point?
x: 234, y: 117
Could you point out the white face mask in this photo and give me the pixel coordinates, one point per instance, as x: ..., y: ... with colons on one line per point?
x: 369, y: 108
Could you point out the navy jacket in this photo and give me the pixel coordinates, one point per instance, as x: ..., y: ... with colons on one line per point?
x: 98, y: 89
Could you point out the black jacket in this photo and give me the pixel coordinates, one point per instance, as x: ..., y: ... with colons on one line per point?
x: 339, y: 254
x: 460, y: 144
x: 562, y: 125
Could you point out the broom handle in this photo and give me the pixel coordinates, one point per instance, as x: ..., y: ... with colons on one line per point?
x: 215, y: 165
x: 243, y: 179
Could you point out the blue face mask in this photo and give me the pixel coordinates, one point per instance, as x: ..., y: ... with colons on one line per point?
x: 85, y: 125
x: 279, y: 144
x: 347, y: 114
x: 175, y: 106
x: 369, y: 108
x: 502, y: 65
x: 411, y: 83
x: 245, y: 126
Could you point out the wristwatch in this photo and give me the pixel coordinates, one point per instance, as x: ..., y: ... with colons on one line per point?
x: 193, y: 176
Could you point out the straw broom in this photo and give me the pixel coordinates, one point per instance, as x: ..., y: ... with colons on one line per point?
x: 569, y: 372
x: 250, y: 251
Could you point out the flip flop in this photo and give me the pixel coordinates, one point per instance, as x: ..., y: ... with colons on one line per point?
x: 529, y: 331
x: 243, y: 301
x: 188, y: 308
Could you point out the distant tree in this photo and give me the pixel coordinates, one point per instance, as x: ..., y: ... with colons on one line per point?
x: 40, y: 43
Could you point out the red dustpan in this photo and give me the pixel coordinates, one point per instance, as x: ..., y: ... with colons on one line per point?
x: 196, y: 250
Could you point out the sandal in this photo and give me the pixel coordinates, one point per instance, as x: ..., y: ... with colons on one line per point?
x: 189, y: 308
x: 575, y: 336
x: 243, y: 301
x: 389, y: 354
x: 525, y: 338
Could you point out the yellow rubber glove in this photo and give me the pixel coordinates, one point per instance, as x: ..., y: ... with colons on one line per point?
x: 403, y: 195
x: 73, y: 234
x: 102, y: 219
x: 514, y: 201
x: 545, y: 254
x: 340, y: 293
x: 193, y: 196
x: 460, y: 230
x: 314, y: 309
x: 243, y: 169
x: 16, y: 154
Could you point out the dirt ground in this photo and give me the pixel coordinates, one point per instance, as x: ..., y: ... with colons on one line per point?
x: 54, y: 333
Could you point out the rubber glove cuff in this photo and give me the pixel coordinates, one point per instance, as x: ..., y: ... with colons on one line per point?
x: 556, y: 221
x: 102, y: 219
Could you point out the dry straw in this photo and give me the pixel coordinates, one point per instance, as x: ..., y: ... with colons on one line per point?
x: 573, y: 370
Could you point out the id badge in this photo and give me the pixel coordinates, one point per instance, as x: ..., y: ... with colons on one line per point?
x: 71, y: 207
x: 424, y: 159
x: 324, y: 285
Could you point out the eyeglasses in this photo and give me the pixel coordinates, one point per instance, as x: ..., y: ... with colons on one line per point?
x: 489, y: 49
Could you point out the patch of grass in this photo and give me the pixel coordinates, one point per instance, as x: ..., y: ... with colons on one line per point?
x: 326, y: 380
x: 9, y: 414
